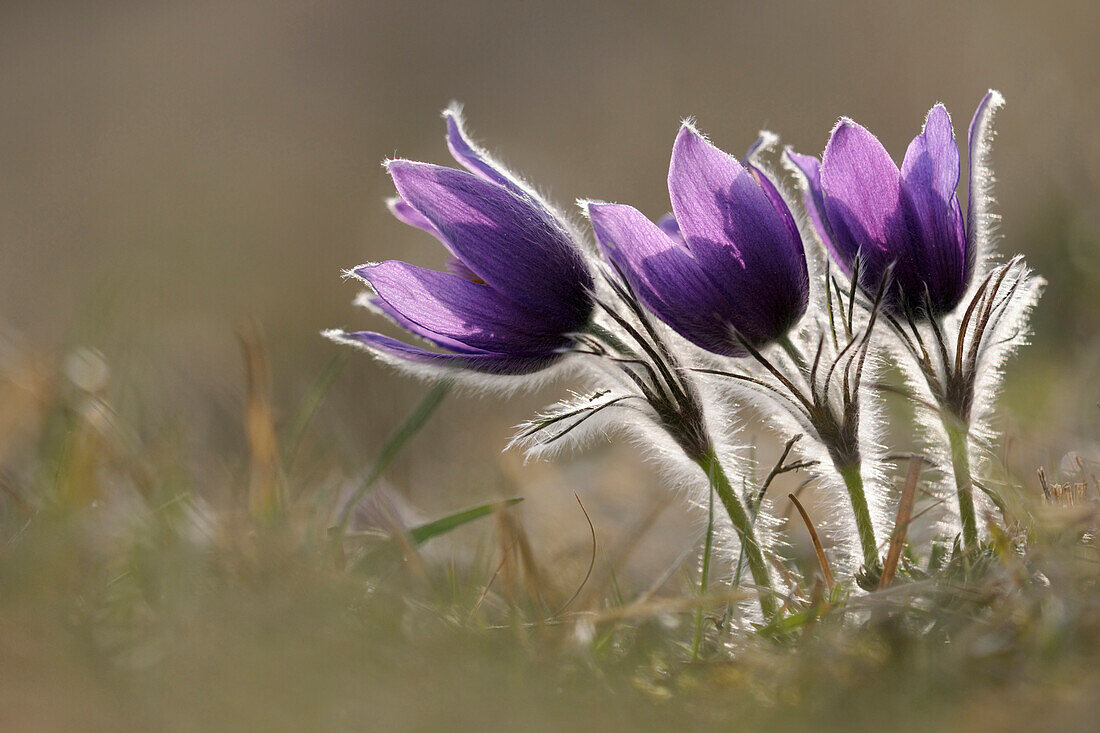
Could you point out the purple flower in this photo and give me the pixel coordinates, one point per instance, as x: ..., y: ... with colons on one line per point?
x: 729, y: 265
x: 860, y: 203
x: 518, y: 285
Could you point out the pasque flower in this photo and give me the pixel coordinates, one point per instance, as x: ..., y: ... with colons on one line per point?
x: 955, y: 315
x: 861, y: 204
x: 735, y: 272
x: 728, y: 271
x: 518, y: 286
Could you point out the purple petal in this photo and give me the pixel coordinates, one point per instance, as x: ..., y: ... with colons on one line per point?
x: 378, y: 305
x: 932, y: 160
x: 408, y: 215
x: 983, y: 115
x: 814, y: 201
x: 979, y: 139
x: 862, y: 191
x: 780, y: 205
x: 447, y: 309
x: 930, y: 177
x: 671, y: 228
x: 488, y: 363
x: 476, y: 160
x: 456, y: 266
x: 869, y: 216
x: 664, y: 275
x: 747, y: 248
x: 473, y: 158
x: 763, y: 141
x: 508, y: 242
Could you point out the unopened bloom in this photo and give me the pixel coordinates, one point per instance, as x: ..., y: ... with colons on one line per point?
x: 861, y: 204
x: 518, y: 285
x: 729, y: 267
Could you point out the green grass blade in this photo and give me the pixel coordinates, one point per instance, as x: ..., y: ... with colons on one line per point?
x: 421, y: 534
x: 311, y: 403
x: 704, y: 575
x: 412, y: 425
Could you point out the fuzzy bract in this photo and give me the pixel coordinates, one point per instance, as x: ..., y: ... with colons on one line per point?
x: 518, y: 285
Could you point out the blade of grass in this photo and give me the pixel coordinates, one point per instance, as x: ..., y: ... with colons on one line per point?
x: 485, y: 590
x: 266, y: 494
x: 680, y: 604
x: 625, y: 545
x: 412, y: 425
x: 424, y: 532
x: 704, y: 574
x: 311, y: 403
x: 533, y: 581
x: 591, y: 562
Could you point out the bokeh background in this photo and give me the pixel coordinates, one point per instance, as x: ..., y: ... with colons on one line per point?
x: 170, y: 172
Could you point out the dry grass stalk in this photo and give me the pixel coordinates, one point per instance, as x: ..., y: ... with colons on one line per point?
x: 902, y: 521
x: 265, y: 495
x: 822, y: 561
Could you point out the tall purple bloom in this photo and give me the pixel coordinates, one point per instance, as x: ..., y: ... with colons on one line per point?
x: 730, y: 266
x: 518, y: 284
x: 861, y: 203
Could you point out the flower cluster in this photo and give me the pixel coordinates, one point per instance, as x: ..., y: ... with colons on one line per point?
x: 677, y: 324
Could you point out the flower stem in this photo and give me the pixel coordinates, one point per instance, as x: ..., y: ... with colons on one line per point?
x: 853, y: 481
x: 964, y: 484
x: 758, y: 566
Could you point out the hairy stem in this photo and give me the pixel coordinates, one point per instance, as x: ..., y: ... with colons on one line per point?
x: 853, y: 481
x: 964, y: 485
x: 758, y: 566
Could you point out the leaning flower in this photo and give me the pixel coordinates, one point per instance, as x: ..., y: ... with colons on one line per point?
x: 713, y: 301
x: 729, y: 273
x: 956, y: 313
x: 519, y: 285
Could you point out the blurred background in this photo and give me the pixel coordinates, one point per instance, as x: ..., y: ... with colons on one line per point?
x: 172, y: 171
